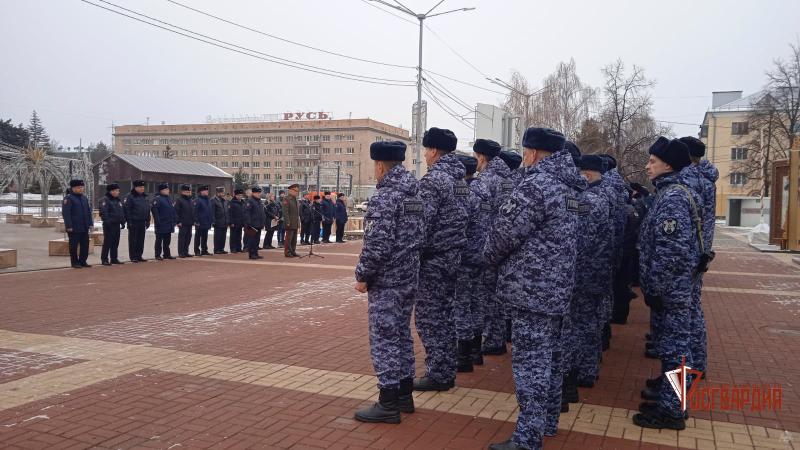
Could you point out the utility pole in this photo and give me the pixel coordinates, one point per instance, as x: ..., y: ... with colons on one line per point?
x: 338, y: 170
x: 421, y: 18
x: 350, y: 188
x: 318, y: 189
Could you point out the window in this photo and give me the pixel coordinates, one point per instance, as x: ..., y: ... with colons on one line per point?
x: 184, y: 152
x: 214, y: 152
x: 266, y: 164
x: 278, y: 151
x: 290, y: 151
x: 289, y: 138
x: 738, y: 179
x: 234, y: 163
x: 738, y: 128
x: 350, y: 150
x: 337, y: 151
x: 257, y: 152
x: 326, y: 138
x: 203, y: 152
x: 214, y: 141
x: 224, y: 152
x: 223, y: 140
x: 163, y: 141
x: 194, y: 152
x: 277, y: 164
x: 288, y: 164
x: 266, y: 176
x: 278, y: 139
x: 288, y: 176
x: 378, y: 138
x: 245, y: 163
x: 256, y: 164
x: 235, y: 140
x: 348, y: 164
x: 326, y: 151
x: 738, y: 153
x: 255, y: 177
x: 224, y: 164
x: 246, y: 152
x: 234, y: 152
x: 267, y: 152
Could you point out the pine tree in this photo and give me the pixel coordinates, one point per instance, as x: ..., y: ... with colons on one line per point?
x: 37, y: 134
x: 14, y: 135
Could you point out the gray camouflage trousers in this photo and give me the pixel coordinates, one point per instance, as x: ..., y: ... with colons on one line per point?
x: 536, y: 363
x: 470, y: 297
x: 434, y: 315
x: 494, y: 326
x: 390, y: 342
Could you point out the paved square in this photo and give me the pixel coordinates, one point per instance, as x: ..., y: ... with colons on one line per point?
x: 222, y: 352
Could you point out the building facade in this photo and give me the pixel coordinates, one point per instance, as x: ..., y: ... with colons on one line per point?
x: 726, y: 135
x: 285, y: 149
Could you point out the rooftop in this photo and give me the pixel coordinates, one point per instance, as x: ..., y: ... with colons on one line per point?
x: 163, y: 165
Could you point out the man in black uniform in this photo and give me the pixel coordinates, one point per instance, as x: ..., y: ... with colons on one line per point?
x: 78, y: 222
x: 137, y: 213
x: 316, y: 217
x: 254, y: 220
x: 184, y: 214
x: 236, y: 217
x: 163, y: 222
x: 113, y: 216
x: 273, y: 211
x: 305, y: 221
x: 219, y: 209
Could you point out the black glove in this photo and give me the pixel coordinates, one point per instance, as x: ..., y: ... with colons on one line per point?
x: 655, y: 302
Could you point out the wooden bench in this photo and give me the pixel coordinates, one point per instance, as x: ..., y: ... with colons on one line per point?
x: 43, y: 222
x: 8, y: 258
x: 18, y: 218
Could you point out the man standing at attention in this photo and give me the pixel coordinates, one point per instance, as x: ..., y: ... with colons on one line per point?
x: 291, y: 221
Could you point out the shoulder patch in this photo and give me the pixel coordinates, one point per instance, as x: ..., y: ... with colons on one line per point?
x: 509, y: 206
x: 460, y: 189
x: 669, y: 226
x: 66, y: 200
x: 572, y: 204
x: 506, y: 186
x: 486, y: 207
x: 412, y: 207
x: 584, y: 209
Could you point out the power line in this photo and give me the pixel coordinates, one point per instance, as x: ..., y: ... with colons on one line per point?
x: 447, y: 94
x: 445, y: 108
x: 463, y: 82
x: 456, y: 53
x: 388, y: 12
x: 244, y: 51
x: 286, y: 40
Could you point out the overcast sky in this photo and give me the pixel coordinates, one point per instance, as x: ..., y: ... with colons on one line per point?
x: 83, y: 68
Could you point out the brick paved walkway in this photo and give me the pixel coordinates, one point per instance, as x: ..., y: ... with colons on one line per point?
x: 221, y: 352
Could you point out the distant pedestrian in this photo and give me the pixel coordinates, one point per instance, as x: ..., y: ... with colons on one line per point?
x: 164, y: 219
x: 203, y: 219
x: 77, y: 214
x: 281, y: 226
x: 219, y: 210
x: 236, y: 216
x: 341, y: 217
x: 305, y: 221
x: 137, y: 213
x: 184, y: 212
x: 113, y: 216
x: 328, y: 211
x: 316, y: 218
x: 272, y: 209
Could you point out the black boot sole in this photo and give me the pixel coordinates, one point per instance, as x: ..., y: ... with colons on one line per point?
x: 392, y: 419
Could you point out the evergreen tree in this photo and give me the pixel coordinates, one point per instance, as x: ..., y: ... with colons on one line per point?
x: 37, y: 134
x: 14, y: 135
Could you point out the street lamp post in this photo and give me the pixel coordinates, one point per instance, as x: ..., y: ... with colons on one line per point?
x: 421, y: 18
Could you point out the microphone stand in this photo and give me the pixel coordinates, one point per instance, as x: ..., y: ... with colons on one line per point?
x: 311, y: 247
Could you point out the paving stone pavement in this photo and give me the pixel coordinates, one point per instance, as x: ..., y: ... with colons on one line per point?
x: 227, y: 353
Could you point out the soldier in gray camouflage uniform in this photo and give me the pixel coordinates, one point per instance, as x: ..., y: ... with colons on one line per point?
x: 470, y: 292
x: 668, y: 262
x: 533, y: 242
x: 444, y: 195
x: 495, y: 181
x: 387, y: 271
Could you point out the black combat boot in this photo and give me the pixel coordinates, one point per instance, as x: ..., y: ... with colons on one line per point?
x: 464, y: 356
x: 650, y: 394
x: 571, y: 387
x: 427, y: 384
x: 652, y: 408
x: 475, y: 350
x: 653, y: 383
x: 495, y: 351
x: 651, y: 353
x: 657, y: 419
x: 405, y: 399
x: 385, y: 410
x: 507, y: 445
x: 508, y: 330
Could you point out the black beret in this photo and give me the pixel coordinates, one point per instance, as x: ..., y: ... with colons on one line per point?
x: 294, y: 186
x: 138, y: 183
x: 470, y: 163
x: 696, y: 146
x: 591, y: 162
x: 163, y: 186
x: 440, y: 139
x: 671, y: 151
x: 255, y: 189
x: 238, y: 191
x: 112, y: 187
x: 611, y: 162
x: 545, y: 139
x: 186, y: 187
x: 512, y: 159
x: 573, y: 150
x: 486, y: 147
x: 204, y: 187
x: 387, y: 151
x: 317, y: 197
x: 75, y: 183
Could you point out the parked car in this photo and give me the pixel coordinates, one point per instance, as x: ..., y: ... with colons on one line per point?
x: 362, y: 207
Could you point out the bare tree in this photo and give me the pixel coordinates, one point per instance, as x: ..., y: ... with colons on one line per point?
x: 518, y: 101
x: 626, y: 116
x: 774, y: 123
x: 564, y: 102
